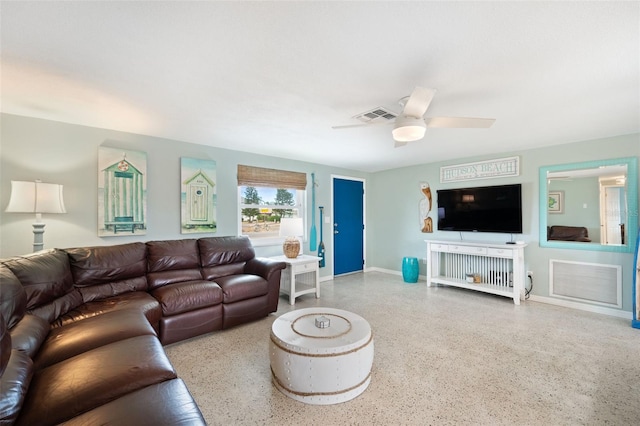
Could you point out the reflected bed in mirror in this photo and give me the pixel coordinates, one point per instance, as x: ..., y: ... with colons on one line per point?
x: 590, y: 205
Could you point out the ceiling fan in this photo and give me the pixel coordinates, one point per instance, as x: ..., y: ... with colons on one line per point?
x: 410, y: 125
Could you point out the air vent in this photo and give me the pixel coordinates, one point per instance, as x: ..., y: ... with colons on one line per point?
x: 376, y: 114
x: 586, y: 282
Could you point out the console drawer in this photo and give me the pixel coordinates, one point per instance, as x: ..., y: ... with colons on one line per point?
x: 305, y: 267
x: 467, y: 249
x: 498, y: 252
x: 439, y: 247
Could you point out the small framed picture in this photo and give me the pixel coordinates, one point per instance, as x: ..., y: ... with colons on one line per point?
x: 556, y: 202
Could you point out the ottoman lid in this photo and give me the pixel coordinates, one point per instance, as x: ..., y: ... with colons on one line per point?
x: 297, y: 331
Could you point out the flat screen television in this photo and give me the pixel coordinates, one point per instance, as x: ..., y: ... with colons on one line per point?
x: 481, y: 209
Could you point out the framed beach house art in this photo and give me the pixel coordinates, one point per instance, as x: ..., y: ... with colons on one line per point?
x: 122, y: 192
x: 198, y: 196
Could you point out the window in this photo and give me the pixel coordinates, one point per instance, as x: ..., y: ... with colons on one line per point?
x: 264, y: 197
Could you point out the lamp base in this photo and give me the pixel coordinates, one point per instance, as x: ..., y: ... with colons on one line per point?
x: 38, y: 236
x: 291, y: 247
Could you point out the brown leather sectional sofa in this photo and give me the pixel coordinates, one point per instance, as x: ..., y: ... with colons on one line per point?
x: 82, y: 329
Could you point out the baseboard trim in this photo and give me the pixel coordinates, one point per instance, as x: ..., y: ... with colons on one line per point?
x: 582, y: 306
x: 392, y: 272
x: 542, y: 299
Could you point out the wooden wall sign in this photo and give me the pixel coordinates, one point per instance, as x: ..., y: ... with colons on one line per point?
x: 488, y: 169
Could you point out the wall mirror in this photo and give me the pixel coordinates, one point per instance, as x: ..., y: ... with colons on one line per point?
x: 590, y: 206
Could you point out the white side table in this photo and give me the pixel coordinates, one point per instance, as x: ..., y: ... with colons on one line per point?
x: 301, y: 276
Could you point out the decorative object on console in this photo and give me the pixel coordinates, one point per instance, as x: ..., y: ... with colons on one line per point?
x: 36, y: 197
x: 425, y: 208
x: 122, y: 199
x: 291, y: 228
x: 198, y: 195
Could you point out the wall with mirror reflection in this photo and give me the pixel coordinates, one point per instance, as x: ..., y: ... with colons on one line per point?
x: 590, y: 205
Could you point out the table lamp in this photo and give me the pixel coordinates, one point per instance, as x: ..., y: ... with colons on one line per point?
x: 36, y: 197
x: 291, y: 228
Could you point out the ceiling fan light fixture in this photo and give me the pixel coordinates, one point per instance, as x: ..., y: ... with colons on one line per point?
x: 408, y: 129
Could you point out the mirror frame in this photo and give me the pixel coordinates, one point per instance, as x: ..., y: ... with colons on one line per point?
x: 632, y: 205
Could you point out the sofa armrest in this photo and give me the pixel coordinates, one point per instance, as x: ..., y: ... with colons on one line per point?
x: 264, y: 267
x: 29, y: 334
x: 270, y: 270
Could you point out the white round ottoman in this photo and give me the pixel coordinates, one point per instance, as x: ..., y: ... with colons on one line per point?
x: 321, y: 355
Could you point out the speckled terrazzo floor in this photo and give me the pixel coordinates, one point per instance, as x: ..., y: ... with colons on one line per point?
x: 442, y: 356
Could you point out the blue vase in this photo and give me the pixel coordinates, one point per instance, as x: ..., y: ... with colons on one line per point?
x: 410, y: 269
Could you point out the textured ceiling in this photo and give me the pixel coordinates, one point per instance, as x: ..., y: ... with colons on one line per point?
x: 273, y: 77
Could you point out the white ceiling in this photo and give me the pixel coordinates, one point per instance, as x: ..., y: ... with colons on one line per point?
x: 273, y: 77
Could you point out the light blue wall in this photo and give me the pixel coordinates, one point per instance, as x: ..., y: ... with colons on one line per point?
x: 67, y: 154
x: 394, y: 230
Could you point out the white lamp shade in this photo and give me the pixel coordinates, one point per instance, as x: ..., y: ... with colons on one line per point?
x: 35, y: 197
x: 408, y: 129
x: 291, y: 227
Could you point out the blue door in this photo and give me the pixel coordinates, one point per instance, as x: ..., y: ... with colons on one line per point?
x: 348, y: 226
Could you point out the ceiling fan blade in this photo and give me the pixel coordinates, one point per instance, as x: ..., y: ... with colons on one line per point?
x: 348, y: 126
x: 373, y: 123
x: 418, y: 102
x: 459, y: 122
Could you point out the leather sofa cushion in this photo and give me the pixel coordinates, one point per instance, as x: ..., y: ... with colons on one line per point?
x: 216, y: 251
x: 81, y: 336
x: 13, y: 386
x: 5, y: 345
x: 211, y: 273
x: 242, y: 287
x: 188, y: 296
x: 47, y: 281
x: 190, y: 324
x: 166, y: 403
x: 245, y: 311
x: 79, y: 384
x: 114, y: 288
x: 172, y: 261
x: 173, y: 255
x: 159, y: 279
x: 13, y: 298
x: 58, y: 307
x: 109, y: 264
x: 137, y: 300
x: 29, y: 334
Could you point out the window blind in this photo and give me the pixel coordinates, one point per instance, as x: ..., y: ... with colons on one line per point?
x: 271, y: 178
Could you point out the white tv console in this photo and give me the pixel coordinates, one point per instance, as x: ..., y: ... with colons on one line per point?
x: 500, y: 266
